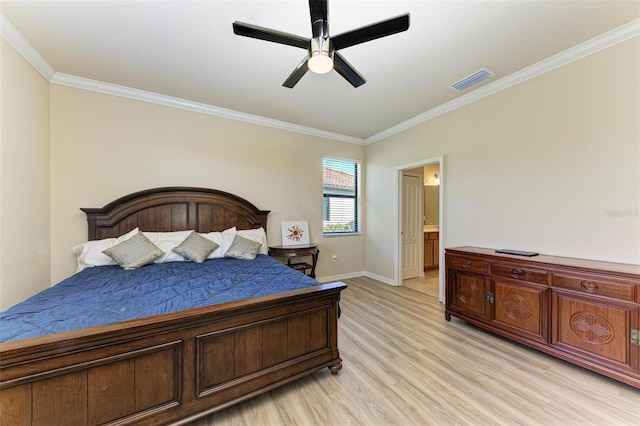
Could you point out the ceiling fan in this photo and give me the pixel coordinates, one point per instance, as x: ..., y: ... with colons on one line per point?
x: 322, y: 54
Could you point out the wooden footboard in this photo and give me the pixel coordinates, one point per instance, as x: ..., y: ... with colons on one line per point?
x: 173, y: 368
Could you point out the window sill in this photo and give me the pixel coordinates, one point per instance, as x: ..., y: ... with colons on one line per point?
x: 341, y: 234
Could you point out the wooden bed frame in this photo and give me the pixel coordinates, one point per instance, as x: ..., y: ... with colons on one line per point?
x: 172, y: 368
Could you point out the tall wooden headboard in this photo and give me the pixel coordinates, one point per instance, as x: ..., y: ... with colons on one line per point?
x: 174, y: 209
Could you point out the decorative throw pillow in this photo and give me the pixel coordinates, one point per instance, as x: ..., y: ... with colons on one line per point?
x: 135, y: 252
x: 167, y: 241
x: 258, y: 235
x: 223, y: 239
x: 196, y: 247
x: 242, y: 248
x: 91, y: 254
x: 228, y: 236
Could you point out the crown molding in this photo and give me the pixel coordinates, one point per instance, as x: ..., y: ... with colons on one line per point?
x: 596, y: 44
x: 24, y: 48
x: 155, y: 98
x: 31, y: 55
x: 589, y: 47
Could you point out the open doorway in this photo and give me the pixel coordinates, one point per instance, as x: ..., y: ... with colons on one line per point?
x: 427, y: 211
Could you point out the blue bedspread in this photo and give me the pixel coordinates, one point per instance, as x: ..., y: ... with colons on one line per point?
x: 110, y: 294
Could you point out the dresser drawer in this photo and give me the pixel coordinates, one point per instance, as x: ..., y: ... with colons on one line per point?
x: 538, y: 276
x: 591, y: 284
x: 468, y: 264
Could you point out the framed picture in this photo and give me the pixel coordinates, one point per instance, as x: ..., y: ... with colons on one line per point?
x: 295, y: 233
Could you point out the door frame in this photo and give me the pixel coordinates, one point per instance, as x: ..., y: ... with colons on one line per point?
x: 397, y: 217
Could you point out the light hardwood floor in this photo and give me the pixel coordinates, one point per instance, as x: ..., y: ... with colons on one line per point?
x: 427, y: 284
x: 405, y: 365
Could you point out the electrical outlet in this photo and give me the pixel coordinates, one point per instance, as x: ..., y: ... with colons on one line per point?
x: 334, y: 258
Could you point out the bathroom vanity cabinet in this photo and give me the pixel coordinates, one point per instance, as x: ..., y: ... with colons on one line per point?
x: 585, y: 312
x: 431, y: 249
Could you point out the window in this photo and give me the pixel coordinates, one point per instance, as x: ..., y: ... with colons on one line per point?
x: 341, y: 196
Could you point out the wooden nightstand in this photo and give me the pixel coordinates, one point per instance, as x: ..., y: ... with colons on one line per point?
x: 304, y: 250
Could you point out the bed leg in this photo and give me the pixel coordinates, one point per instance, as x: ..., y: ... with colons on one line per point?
x: 336, y: 367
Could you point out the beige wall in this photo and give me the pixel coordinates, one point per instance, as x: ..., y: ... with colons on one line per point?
x: 104, y: 147
x: 550, y: 165
x: 24, y: 180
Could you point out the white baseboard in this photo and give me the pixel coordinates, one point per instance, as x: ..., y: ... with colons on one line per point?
x: 376, y: 277
x: 340, y: 277
x: 380, y: 278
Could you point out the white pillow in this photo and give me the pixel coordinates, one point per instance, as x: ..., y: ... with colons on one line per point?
x: 223, y: 239
x: 258, y: 235
x: 167, y: 241
x: 216, y: 237
x: 90, y: 254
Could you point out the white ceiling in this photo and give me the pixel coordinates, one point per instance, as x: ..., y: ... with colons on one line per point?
x: 187, y: 50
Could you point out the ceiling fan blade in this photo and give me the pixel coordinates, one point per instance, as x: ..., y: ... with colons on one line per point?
x: 297, y: 74
x: 254, y: 31
x: 319, y: 11
x: 345, y: 69
x: 371, y: 32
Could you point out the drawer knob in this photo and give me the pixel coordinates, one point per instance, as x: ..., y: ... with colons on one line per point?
x: 516, y: 273
x: 589, y: 285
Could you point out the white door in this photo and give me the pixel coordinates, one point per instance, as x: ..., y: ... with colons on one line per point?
x: 411, y: 232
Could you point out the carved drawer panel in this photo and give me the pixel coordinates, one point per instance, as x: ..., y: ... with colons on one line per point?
x: 594, y: 330
x: 468, y: 294
x: 609, y: 287
x: 521, y: 307
x: 538, y: 276
x: 585, y: 312
x: 468, y: 264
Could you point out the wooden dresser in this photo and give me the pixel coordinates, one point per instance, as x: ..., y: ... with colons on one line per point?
x: 585, y: 312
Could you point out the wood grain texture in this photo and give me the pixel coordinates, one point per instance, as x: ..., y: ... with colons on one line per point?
x: 404, y: 364
x: 174, y: 209
x: 590, y: 317
x: 173, y: 367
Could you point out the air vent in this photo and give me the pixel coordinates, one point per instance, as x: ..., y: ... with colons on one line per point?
x: 472, y: 79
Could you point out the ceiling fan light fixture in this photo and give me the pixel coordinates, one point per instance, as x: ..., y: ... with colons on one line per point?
x: 322, y: 51
x: 320, y: 61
